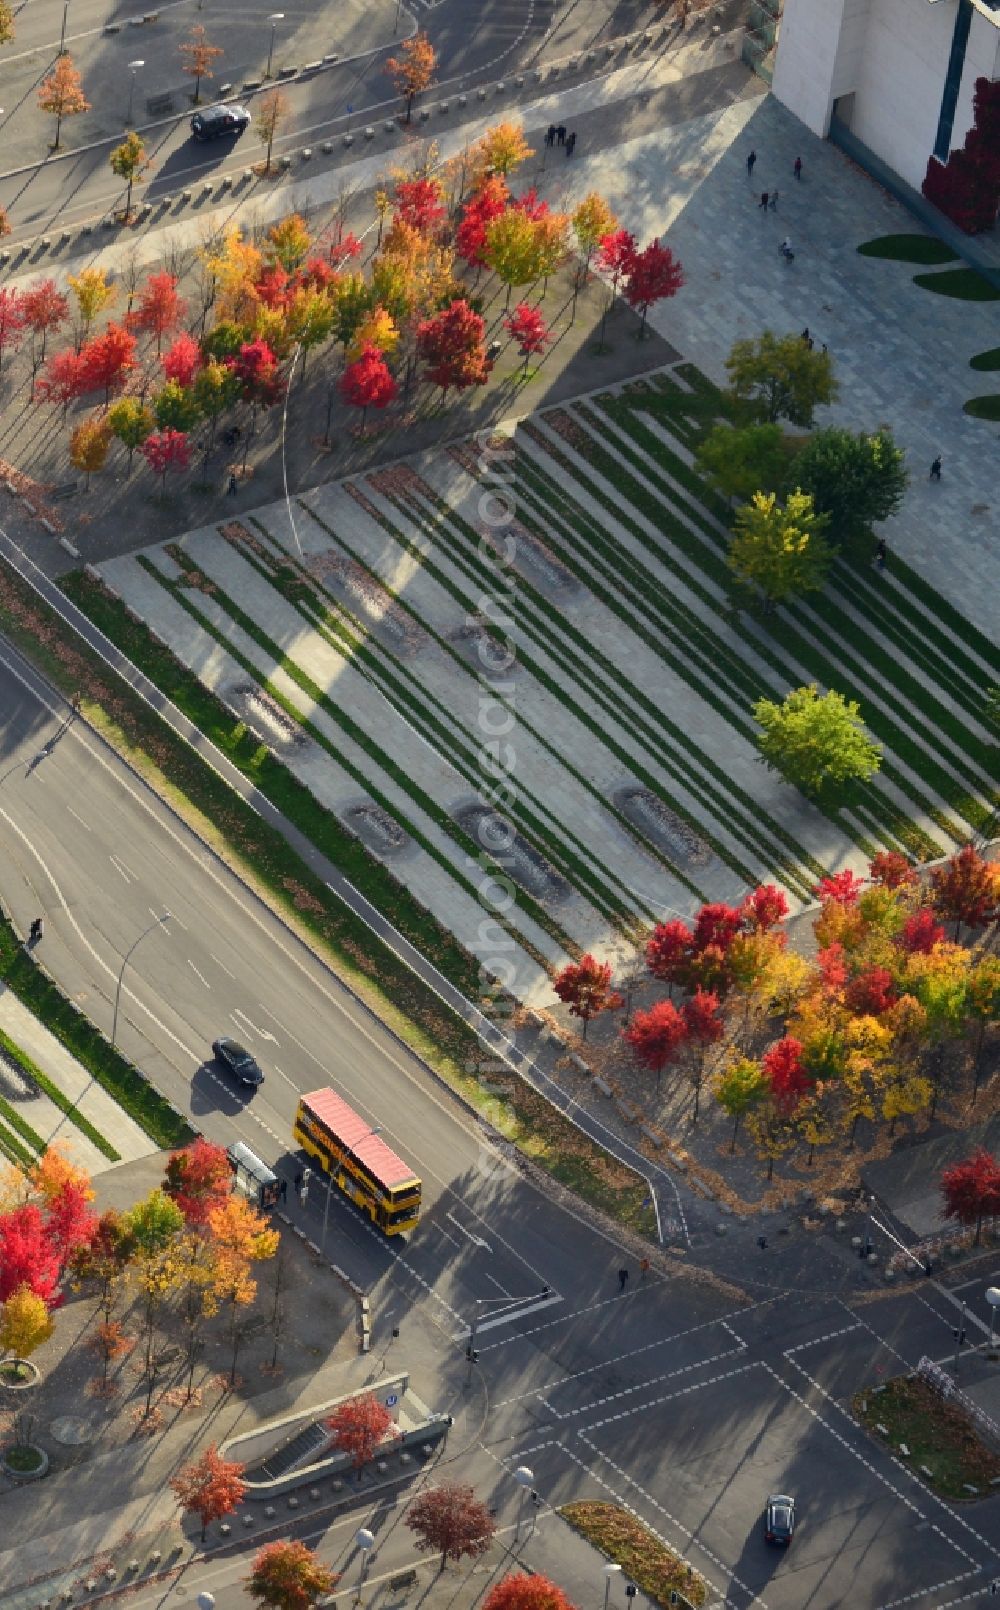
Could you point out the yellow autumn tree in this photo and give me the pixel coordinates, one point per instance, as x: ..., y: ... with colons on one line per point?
x: 89, y: 444
x: 24, y: 1323
x: 592, y: 220
x: 55, y: 1170
x: 377, y: 330
x: 502, y: 149
x: 233, y: 267
x: 92, y: 295
x: 241, y: 1236
x: 288, y: 242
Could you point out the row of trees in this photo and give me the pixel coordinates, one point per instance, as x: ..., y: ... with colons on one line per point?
x: 261, y: 306
x: 865, y: 1027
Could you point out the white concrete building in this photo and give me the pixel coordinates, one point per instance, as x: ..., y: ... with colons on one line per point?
x: 897, y: 73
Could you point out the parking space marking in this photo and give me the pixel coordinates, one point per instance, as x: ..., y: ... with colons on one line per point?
x: 949, y: 1582
x: 641, y: 1386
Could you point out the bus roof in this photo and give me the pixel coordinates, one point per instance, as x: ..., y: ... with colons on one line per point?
x: 356, y: 1133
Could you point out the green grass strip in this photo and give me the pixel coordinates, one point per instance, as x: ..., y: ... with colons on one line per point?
x: 962, y: 283
x: 87, y: 1044
x: 986, y: 361
x: 12, y: 1118
x: 58, y: 1098
x: 987, y: 407
x: 14, y: 1149
x: 908, y: 249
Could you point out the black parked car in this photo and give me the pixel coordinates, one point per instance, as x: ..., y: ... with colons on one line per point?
x: 237, y: 1059
x: 217, y: 121
x: 779, y: 1519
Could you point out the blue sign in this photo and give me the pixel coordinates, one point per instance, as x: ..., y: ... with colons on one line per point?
x: 391, y: 1400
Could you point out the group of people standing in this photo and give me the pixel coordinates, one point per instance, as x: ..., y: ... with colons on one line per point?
x: 556, y: 135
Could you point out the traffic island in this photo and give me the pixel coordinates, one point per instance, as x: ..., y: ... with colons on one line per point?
x: 662, y: 1575
x: 936, y: 1429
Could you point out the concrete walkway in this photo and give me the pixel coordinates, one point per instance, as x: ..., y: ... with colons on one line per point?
x: 41, y: 1112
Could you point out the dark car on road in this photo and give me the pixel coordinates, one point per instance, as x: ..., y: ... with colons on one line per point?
x: 238, y: 1061
x: 215, y: 122
x: 779, y: 1519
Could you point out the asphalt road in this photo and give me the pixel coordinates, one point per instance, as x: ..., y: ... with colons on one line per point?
x: 69, y: 187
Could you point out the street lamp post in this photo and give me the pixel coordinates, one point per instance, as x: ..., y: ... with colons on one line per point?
x: 611, y: 1570
x: 62, y: 36
x: 525, y: 1479
x: 366, y: 1542
x: 375, y: 1130
x: 273, y: 19
x: 158, y: 923
x: 205, y: 1601
x: 134, y: 67
x: 993, y: 1298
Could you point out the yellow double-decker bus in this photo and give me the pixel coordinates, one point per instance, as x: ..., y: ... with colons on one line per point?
x: 359, y: 1161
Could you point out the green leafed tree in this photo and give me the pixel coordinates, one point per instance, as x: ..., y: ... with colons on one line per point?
x: 740, y: 1087
x: 780, y: 377
x: 779, y: 548
x: 854, y: 479
x: 131, y: 422
x: 743, y: 460
x: 127, y: 162
x: 817, y: 741
x: 175, y: 407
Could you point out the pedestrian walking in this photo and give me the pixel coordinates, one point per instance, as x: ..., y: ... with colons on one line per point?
x: 751, y: 159
x: 233, y: 487
x: 75, y: 702
x: 763, y: 200
x: 805, y: 335
x: 774, y: 201
x: 283, y: 1190
x: 37, y: 931
x: 786, y: 249
x: 298, y: 1182
x: 622, y: 1279
x: 561, y: 134
x: 797, y: 167
x: 571, y: 144
x: 643, y: 1268
x: 935, y: 474
x: 880, y: 554
x: 550, y: 134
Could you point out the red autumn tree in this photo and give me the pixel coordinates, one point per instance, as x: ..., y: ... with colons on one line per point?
x: 487, y: 202
x: 367, y: 383
x: 344, y: 250
x: 256, y: 368
x: 520, y: 1592
x: 921, y: 932
x: 529, y: 329
x: 210, y: 1487
x: 652, y: 275
x: 199, y: 1179
x: 45, y: 309
x: 891, y: 870
x: 971, y: 1190
x: 272, y: 285
x: 656, y: 1036
x: 63, y: 379
x: 966, y: 890
x: 160, y: 309
x: 452, y: 1520
x: 764, y: 908
x: 28, y: 1256
x: 359, y: 1427
x: 872, y: 992
x: 787, y: 1078
x: 288, y: 1576
x: 419, y: 204
x: 615, y: 255
x: 182, y: 359
x: 107, y: 359
x: 70, y: 1221
x: 166, y: 450
x: 844, y: 887
x: 451, y: 345
x: 669, y: 951
x: 12, y: 320
x: 717, y: 924
x: 585, y: 987
x: 704, y: 1028
x: 110, y: 1343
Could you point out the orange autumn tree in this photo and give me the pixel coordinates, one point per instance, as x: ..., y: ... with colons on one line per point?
x: 61, y: 94
x: 197, y: 55
x: 288, y: 1576
x: 210, y: 1487
x: 412, y: 71
x: 359, y: 1426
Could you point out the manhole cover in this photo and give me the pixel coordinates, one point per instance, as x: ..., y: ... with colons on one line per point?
x: 71, y: 1431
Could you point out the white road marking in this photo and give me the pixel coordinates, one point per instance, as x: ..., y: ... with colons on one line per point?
x: 221, y: 964
x: 264, y: 1034
x: 198, y: 974
x: 509, y: 1319
x: 79, y: 818
x: 441, y: 1229
x: 502, y: 1289
x: 119, y: 868
x: 476, y: 1240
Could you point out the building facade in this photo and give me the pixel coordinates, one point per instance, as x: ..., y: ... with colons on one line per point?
x: 899, y: 74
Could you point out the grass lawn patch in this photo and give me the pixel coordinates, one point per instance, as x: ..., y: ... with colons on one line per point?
x: 938, y: 1434
x: 908, y: 249
x: 56, y: 1096
x: 87, y: 1044
x: 987, y: 407
x: 654, y: 1567
x: 986, y: 360
x: 963, y: 283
